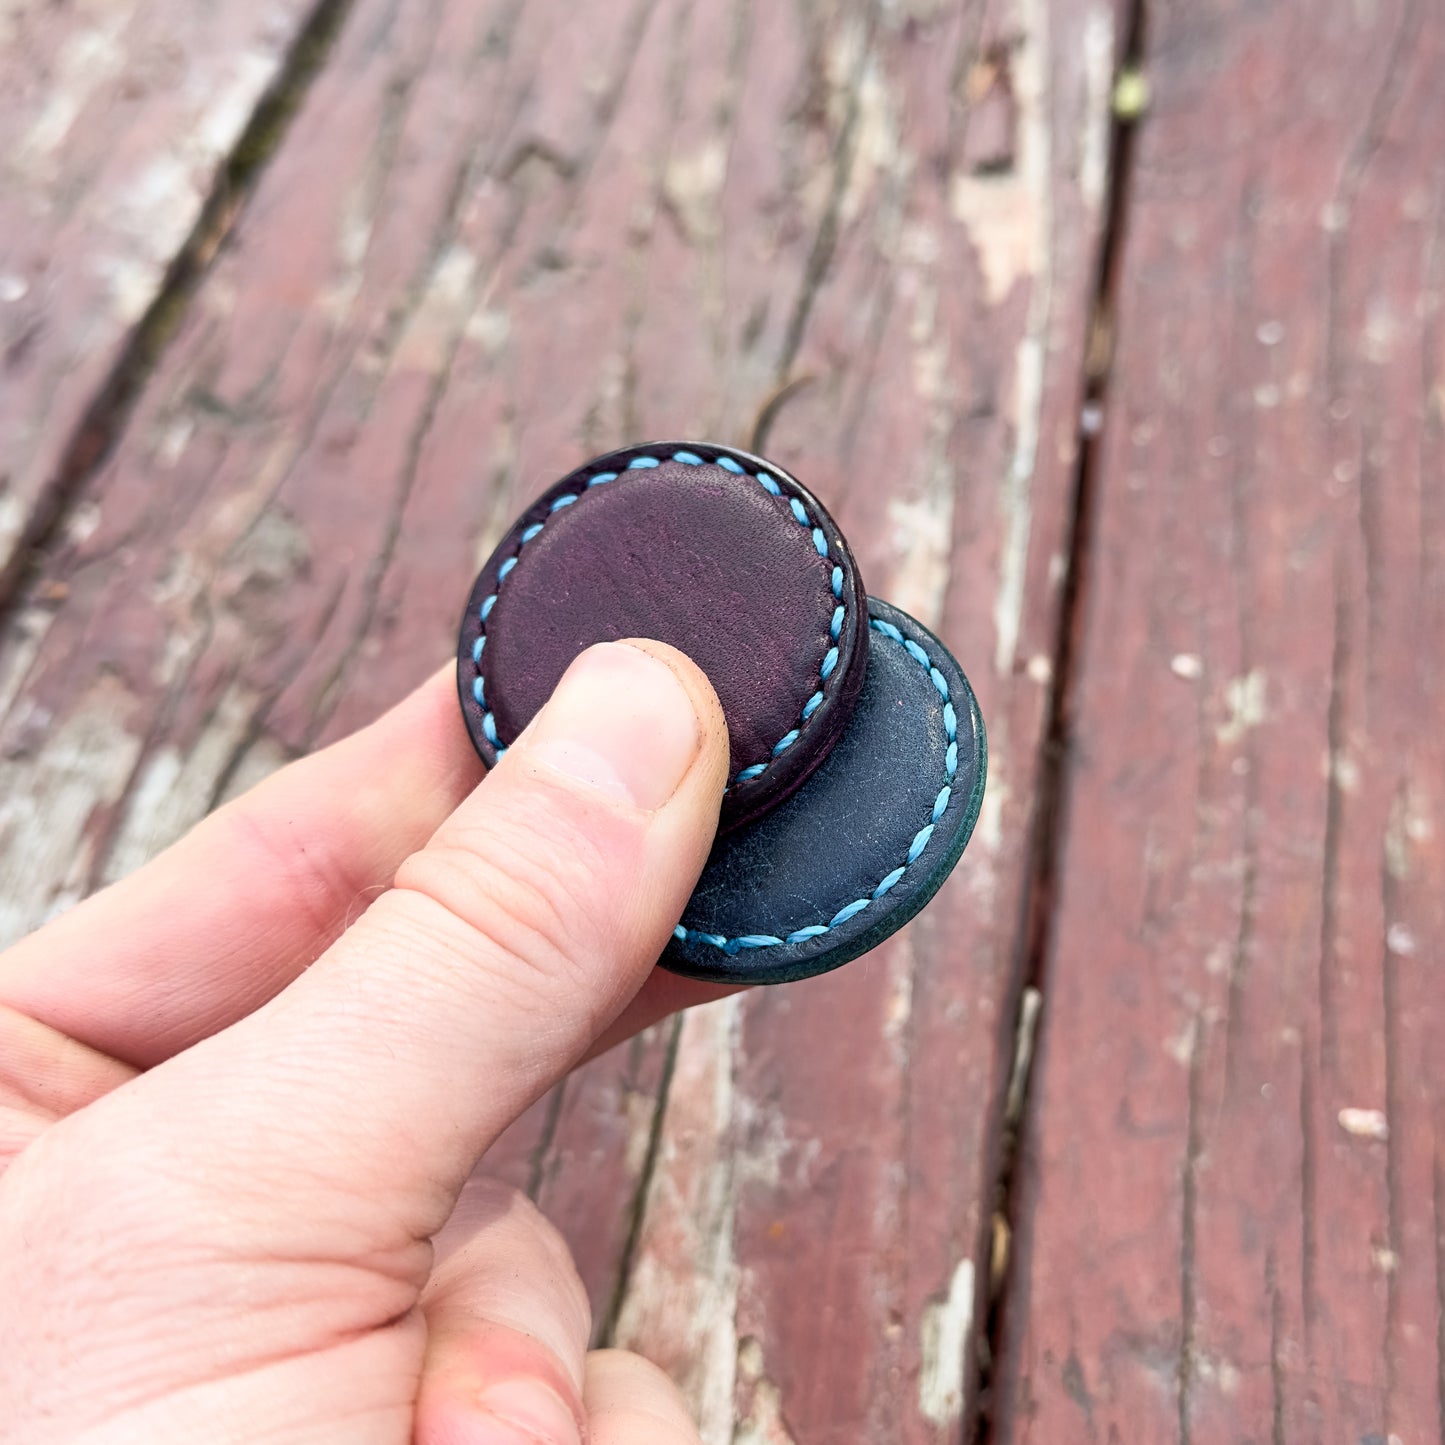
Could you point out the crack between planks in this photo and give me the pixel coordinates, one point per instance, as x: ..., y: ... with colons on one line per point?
x: 1334, y: 819
x: 159, y: 732
x: 476, y: 161
x: 381, y: 165
x: 113, y: 815
x: 1432, y: 395
x: 1363, y: 153
x: 379, y: 566
x: 1438, y: 1200
x: 1189, y: 1196
x: 1242, y: 481
x: 1007, y: 1276
x: 105, y: 418
x: 607, y: 1331
x: 825, y: 238
x: 1395, y: 1113
x: 255, y: 729
x: 537, y: 1164
x: 1276, y: 1357
x: 1307, y: 1198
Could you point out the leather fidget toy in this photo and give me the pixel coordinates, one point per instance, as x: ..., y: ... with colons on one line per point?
x: 857, y: 749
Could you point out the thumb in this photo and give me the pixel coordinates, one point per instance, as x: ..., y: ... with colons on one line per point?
x: 506, y: 945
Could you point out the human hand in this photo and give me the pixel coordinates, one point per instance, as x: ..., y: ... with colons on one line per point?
x: 237, y: 1136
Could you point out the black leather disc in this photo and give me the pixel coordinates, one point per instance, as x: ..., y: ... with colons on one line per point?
x: 851, y: 856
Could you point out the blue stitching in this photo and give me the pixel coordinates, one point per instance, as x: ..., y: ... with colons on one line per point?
x: 800, y: 515
x: 733, y: 946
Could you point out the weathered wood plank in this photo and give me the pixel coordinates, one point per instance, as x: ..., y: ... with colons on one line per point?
x: 1231, y: 1215
x: 223, y: 598
x: 117, y: 124
x: 813, y: 1253
x: 582, y: 1154
x: 501, y: 236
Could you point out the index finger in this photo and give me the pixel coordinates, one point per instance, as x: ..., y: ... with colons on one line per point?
x: 224, y: 919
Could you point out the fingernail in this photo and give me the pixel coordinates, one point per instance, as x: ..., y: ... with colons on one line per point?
x: 621, y: 722
x: 526, y: 1412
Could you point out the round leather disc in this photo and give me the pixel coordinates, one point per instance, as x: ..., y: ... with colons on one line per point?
x: 856, y: 851
x: 719, y: 553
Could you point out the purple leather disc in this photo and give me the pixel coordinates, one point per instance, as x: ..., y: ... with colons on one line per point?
x: 719, y: 553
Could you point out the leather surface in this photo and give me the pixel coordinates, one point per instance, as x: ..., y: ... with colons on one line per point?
x: 696, y: 555
x: 848, y: 829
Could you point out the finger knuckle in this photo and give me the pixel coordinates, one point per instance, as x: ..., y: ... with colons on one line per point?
x: 514, y: 1237
x: 534, y: 891
x: 310, y: 877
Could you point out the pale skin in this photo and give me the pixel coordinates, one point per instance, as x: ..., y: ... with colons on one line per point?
x: 246, y: 1094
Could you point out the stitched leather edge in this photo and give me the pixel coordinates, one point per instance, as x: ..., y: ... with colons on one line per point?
x: 752, y: 941
x: 872, y: 926
x: 769, y: 484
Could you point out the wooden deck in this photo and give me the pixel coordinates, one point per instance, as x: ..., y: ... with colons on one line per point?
x: 1121, y: 360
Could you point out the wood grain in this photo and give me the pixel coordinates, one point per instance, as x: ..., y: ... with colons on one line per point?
x: 284, y: 536
x: 1231, y: 1213
x: 118, y: 121
x: 812, y: 1262
x: 497, y: 238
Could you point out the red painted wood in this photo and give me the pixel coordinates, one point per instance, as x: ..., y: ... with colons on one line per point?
x: 501, y: 237
x: 116, y: 123
x: 1231, y: 1204
x: 497, y: 238
x: 814, y: 1246
x: 283, y: 540
x: 581, y: 1153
